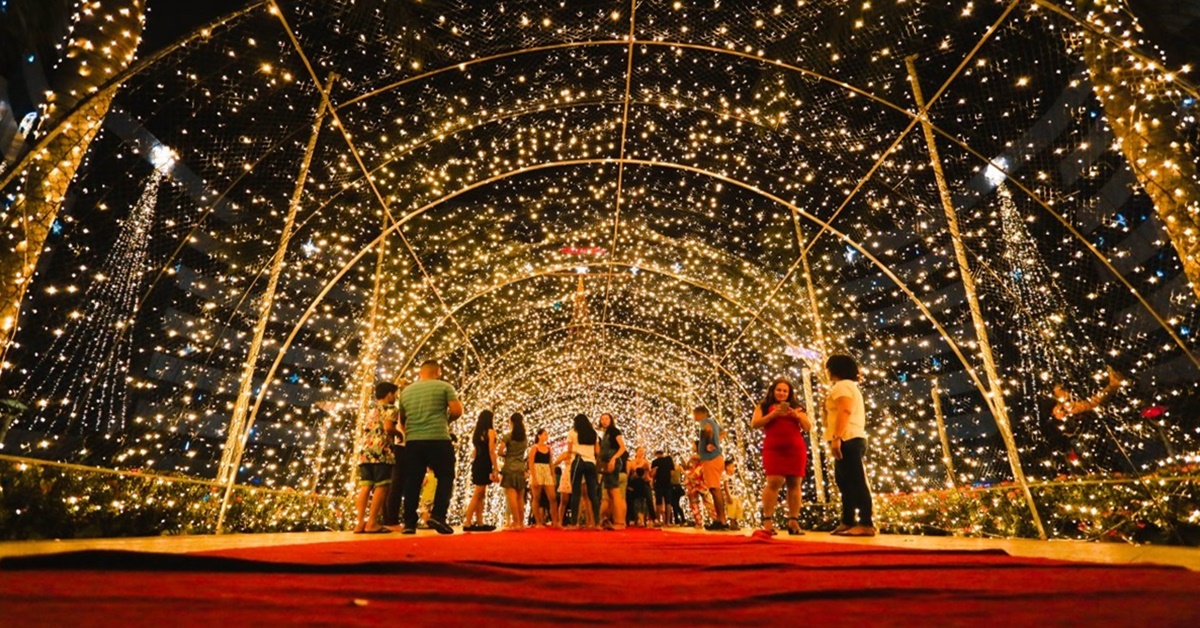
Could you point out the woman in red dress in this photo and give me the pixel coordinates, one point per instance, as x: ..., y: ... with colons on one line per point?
x: 785, y: 454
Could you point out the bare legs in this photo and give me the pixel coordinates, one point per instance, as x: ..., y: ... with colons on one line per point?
x: 666, y: 514
x: 770, y: 498
x: 475, y: 508
x: 561, y: 511
x: 616, y: 500
x: 370, y: 523
x: 536, y: 499
x: 718, y: 503
x: 516, y: 508
x: 585, y: 518
x: 793, y: 502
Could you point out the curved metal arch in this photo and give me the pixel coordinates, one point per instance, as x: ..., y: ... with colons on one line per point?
x: 624, y: 43
x: 642, y: 330
x: 396, y: 225
x: 358, y: 183
x: 551, y: 269
x: 647, y: 375
x: 529, y: 111
x: 139, y: 67
x: 669, y: 44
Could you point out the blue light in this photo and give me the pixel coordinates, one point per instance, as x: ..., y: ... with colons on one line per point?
x: 56, y: 228
x: 1184, y: 330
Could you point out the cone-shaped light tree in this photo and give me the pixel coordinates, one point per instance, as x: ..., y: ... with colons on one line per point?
x: 102, y: 43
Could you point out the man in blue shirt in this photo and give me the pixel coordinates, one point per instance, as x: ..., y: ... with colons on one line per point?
x: 712, y: 462
x: 427, y: 407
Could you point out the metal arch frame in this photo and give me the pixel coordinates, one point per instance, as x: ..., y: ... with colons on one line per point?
x: 922, y: 115
x: 915, y: 118
x: 616, y: 220
x: 558, y: 268
x: 637, y: 329
x: 646, y: 375
x: 383, y: 203
x: 631, y: 42
x: 137, y: 68
x: 269, y: 377
x: 357, y: 184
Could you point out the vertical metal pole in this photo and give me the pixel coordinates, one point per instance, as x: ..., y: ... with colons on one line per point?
x: 995, y: 399
x: 814, y: 411
x: 372, y: 344
x: 322, y: 441
x: 814, y: 414
x: 235, y: 440
x: 813, y: 310
x: 941, y: 426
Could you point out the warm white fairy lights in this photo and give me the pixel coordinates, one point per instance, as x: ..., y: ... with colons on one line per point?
x: 492, y: 132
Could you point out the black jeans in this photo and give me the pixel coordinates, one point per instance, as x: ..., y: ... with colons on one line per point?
x: 851, y: 478
x: 584, y: 472
x: 437, y: 455
x: 391, y: 508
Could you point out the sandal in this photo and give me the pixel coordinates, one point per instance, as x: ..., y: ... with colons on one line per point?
x: 796, y: 531
x: 771, y: 530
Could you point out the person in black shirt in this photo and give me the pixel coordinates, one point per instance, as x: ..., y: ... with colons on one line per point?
x: 662, y: 467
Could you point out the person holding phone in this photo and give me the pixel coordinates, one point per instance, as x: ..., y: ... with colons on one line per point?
x: 785, y: 454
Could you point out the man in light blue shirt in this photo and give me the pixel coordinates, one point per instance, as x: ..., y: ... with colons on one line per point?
x: 712, y: 462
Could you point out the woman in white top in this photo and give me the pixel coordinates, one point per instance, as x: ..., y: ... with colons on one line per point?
x: 583, y: 442
x: 846, y: 422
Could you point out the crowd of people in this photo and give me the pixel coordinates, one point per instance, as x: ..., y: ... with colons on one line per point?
x: 596, y: 482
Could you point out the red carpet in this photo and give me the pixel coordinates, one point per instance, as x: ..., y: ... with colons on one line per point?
x: 586, y: 577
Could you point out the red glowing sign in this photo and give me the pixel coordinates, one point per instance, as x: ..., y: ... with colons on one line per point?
x: 582, y: 250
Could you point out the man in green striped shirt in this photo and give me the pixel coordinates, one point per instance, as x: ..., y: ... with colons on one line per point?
x: 427, y: 407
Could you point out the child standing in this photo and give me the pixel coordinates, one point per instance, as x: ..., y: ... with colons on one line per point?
x: 373, y: 453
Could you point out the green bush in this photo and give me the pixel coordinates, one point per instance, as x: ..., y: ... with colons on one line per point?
x: 51, y: 502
